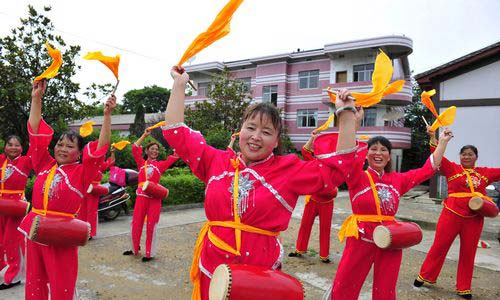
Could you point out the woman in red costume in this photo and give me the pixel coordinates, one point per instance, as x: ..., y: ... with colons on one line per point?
x: 250, y: 195
x: 60, y: 185
x: 321, y: 205
x: 465, y: 180
x: 15, y: 171
x: 374, y: 196
x: 147, y: 206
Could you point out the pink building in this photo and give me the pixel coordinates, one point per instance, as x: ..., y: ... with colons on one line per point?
x: 296, y: 82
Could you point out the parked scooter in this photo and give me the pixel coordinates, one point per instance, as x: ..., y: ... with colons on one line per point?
x: 115, y: 201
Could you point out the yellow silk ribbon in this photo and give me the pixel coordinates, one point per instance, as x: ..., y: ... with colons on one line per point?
x: 53, y: 69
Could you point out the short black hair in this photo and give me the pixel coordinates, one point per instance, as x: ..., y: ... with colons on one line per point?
x: 471, y: 147
x: 72, y: 136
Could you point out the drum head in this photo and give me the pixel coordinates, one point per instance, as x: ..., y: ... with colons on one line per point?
x: 382, y: 236
x: 475, y: 203
x: 220, y: 285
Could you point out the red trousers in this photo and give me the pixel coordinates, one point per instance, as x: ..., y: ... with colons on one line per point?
x: 54, y: 267
x: 312, y: 209
x: 448, y: 227
x: 11, y: 249
x: 150, y: 209
x: 88, y: 212
x: 356, y: 262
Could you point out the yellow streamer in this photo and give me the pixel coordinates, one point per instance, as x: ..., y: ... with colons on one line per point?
x: 53, y: 69
x: 120, y: 145
x: 112, y: 62
x: 87, y: 128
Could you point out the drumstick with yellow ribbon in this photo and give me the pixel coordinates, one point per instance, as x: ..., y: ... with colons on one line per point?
x: 112, y: 62
x: 219, y: 28
x: 381, y: 77
x: 53, y: 69
x: 120, y: 145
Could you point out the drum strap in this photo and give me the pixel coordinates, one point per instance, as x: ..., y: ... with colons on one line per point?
x: 472, y: 193
x: 45, y: 211
x: 2, y: 187
x: 350, y: 225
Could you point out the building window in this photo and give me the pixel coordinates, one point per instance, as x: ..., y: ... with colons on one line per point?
x: 370, y: 117
x: 341, y: 77
x: 247, y: 81
x: 309, y: 79
x: 270, y: 94
x: 203, y: 88
x: 307, y: 117
x: 363, y: 72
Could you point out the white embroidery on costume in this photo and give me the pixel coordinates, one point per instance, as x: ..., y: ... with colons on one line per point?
x: 245, y: 185
x: 386, y: 199
x: 8, y: 171
x: 53, y: 185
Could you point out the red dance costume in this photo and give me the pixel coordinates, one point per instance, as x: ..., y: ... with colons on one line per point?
x: 90, y: 204
x: 13, y: 181
x: 457, y: 219
x: 244, y: 229
x: 360, y: 252
x: 146, y: 206
x: 53, y: 266
x: 321, y: 205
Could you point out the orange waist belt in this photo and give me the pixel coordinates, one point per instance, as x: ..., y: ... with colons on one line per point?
x: 219, y: 243
x: 11, y: 192
x: 42, y: 212
x: 466, y: 195
x: 350, y: 225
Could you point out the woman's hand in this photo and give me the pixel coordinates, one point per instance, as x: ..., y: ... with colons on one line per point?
x: 110, y: 105
x: 147, y: 132
x: 446, y: 135
x: 344, y: 98
x: 38, y: 89
x: 179, y: 75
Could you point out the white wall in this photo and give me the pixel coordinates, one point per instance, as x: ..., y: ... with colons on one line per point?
x: 477, y: 84
x: 479, y: 126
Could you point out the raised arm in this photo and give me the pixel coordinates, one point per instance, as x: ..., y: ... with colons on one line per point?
x: 175, y: 108
x: 37, y: 92
x: 139, y: 141
x: 444, y: 138
x: 105, y: 135
x: 347, y: 121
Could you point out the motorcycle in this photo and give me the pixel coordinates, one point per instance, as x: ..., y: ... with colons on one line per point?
x: 115, y: 201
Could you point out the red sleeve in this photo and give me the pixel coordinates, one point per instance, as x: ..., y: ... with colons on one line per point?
x: 93, y: 158
x: 307, y: 154
x: 137, y: 154
x: 165, y: 164
x: 493, y: 174
x: 107, y: 164
x: 191, y: 148
x: 39, y: 146
x: 415, y: 177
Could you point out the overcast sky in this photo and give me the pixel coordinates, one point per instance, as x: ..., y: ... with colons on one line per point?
x: 151, y: 36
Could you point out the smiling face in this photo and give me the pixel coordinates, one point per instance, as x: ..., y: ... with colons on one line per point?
x: 258, y: 138
x: 67, y: 151
x: 468, y: 158
x: 378, y: 157
x: 13, y: 148
x: 152, y: 151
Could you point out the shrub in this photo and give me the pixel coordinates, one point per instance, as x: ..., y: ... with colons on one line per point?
x: 183, y: 189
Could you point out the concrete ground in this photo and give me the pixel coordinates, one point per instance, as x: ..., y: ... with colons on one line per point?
x: 105, y: 274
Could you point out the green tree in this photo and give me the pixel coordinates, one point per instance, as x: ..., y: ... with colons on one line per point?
x: 22, y: 57
x: 139, y: 123
x: 154, y: 99
x: 415, y: 156
x: 221, y: 114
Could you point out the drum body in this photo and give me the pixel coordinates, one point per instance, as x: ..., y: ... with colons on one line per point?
x: 247, y: 282
x: 59, y: 231
x: 97, y: 189
x: 483, y: 207
x: 155, y: 190
x: 397, y: 235
x: 14, y: 208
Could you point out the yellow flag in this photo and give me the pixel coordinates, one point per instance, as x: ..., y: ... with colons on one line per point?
x: 217, y: 30
x: 161, y: 123
x: 326, y: 124
x: 364, y: 137
x: 86, y: 129
x: 53, y: 69
x: 425, y: 97
x: 109, y: 61
x: 120, y: 145
x: 381, y: 77
x: 446, y: 118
